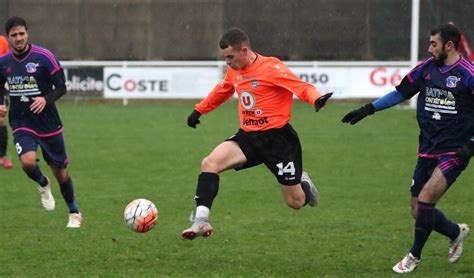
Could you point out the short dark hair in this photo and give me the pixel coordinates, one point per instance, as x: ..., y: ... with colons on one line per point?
x: 234, y: 37
x: 448, y: 32
x: 14, y: 22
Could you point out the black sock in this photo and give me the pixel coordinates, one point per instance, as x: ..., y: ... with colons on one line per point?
x: 207, y: 188
x: 445, y: 226
x: 67, y: 190
x: 37, y: 176
x: 3, y: 141
x: 423, y: 226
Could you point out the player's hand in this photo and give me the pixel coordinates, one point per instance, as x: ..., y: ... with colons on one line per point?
x: 354, y: 116
x: 38, y: 105
x: 321, y: 101
x: 3, y: 110
x: 466, y: 151
x: 193, y: 119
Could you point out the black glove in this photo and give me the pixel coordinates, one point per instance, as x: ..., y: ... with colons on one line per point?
x: 321, y: 101
x: 466, y: 151
x: 354, y: 116
x: 193, y: 119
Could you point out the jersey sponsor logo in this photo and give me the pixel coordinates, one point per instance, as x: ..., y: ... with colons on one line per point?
x: 254, y: 84
x: 23, y: 86
x: 31, y: 67
x: 440, y: 102
x: 256, y: 122
x: 256, y: 112
x: 451, y: 81
x: 247, y: 100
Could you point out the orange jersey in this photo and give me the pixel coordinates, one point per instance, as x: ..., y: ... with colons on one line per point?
x: 3, y: 45
x: 265, y: 90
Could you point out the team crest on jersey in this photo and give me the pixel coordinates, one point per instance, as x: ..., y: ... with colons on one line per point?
x: 247, y: 100
x: 255, y: 83
x: 451, y: 81
x: 31, y: 67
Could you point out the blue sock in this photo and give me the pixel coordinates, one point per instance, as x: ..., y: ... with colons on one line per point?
x: 67, y: 190
x: 445, y: 226
x: 37, y: 176
x: 423, y: 226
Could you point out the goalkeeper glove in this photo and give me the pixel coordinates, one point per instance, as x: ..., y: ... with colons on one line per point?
x: 354, y: 116
x: 466, y: 151
x: 321, y: 101
x: 193, y: 119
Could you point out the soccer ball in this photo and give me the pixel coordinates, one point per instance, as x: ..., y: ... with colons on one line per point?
x: 141, y: 215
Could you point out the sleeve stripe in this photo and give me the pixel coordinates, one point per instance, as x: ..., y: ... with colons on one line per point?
x: 420, y: 65
x: 48, y: 55
x: 467, y: 66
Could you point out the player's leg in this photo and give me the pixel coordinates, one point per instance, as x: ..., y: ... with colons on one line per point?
x: 54, y: 153
x: 67, y: 191
x: 283, y: 156
x: 299, y: 195
x: 447, y: 171
x: 442, y: 224
x: 4, y: 143
x: 423, y: 171
x: 294, y: 196
x: 226, y: 155
x: 26, y: 145
x: 428, y: 218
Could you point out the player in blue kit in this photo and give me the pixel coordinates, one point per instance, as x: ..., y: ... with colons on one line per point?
x: 445, y: 113
x: 35, y: 81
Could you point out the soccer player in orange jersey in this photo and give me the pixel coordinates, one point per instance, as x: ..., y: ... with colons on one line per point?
x: 265, y: 87
x: 3, y: 127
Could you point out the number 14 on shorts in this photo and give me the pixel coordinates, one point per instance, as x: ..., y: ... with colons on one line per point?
x: 286, y: 169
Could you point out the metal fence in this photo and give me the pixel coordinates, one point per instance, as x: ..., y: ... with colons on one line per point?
x: 147, y: 30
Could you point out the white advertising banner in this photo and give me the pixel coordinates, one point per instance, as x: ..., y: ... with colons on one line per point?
x: 195, y: 82
x: 353, y: 82
x: 159, y: 82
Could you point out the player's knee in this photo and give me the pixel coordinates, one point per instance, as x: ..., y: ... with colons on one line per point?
x: 209, y: 165
x: 28, y: 165
x: 295, y: 206
x: 295, y: 203
x: 61, y: 176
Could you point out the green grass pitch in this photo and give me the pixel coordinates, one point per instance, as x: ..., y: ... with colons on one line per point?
x: 361, y: 228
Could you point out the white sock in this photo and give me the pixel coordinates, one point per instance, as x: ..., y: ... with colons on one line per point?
x: 202, y: 212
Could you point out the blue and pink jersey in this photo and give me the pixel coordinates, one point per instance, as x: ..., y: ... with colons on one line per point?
x: 445, y: 110
x: 29, y: 76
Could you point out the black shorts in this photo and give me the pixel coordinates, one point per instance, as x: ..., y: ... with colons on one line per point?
x: 279, y: 149
x: 52, y: 147
x: 450, y: 166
